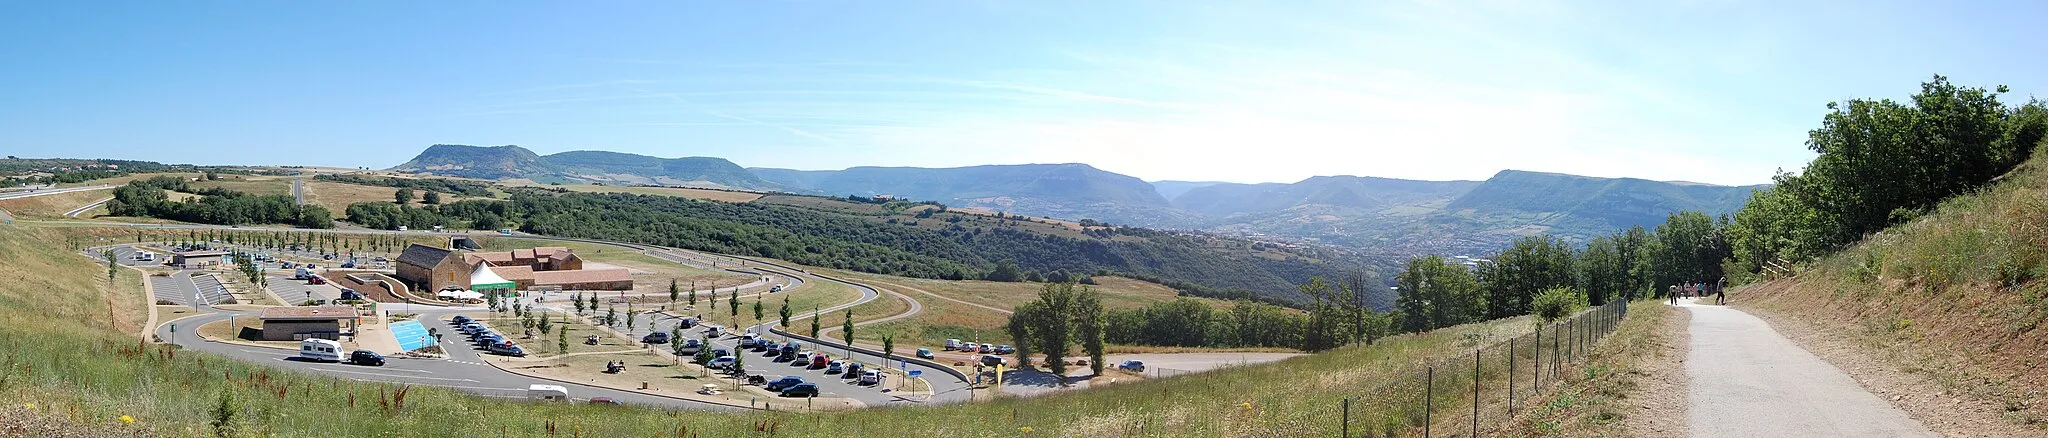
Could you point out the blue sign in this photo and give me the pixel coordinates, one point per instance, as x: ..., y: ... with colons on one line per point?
x: 915, y: 373
x: 411, y: 336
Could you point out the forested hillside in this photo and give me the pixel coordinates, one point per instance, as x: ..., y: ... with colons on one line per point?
x: 1206, y: 265
x: 1882, y: 163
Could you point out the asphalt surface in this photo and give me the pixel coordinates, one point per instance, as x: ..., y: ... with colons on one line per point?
x: 46, y: 192
x: 1749, y: 381
x: 464, y: 370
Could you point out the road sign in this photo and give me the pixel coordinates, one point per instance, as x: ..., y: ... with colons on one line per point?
x: 915, y: 373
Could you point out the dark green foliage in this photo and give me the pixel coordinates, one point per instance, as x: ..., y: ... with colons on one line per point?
x: 1883, y: 162
x: 1531, y: 265
x: 1436, y: 293
x: 460, y: 187
x: 145, y: 198
x: 1557, y: 302
x: 845, y: 241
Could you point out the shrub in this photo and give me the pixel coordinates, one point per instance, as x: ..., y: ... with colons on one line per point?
x: 1557, y: 302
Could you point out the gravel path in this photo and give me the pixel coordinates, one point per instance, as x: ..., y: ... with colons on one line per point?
x: 1748, y: 381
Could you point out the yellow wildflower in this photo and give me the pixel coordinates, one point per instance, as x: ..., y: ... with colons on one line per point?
x: 127, y: 419
x: 1025, y: 429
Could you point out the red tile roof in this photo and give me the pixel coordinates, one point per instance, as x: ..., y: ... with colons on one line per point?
x: 514, y: 273
x: 581, y: 276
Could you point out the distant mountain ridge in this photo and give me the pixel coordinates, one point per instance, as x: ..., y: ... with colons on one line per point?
x: 1385, y: 215
x: 514, y: 162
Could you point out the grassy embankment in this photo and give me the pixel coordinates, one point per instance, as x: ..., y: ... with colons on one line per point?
x: 51, y: 206
x: 1589, y: 400
x: 1956, y: 296
x: 979, y: 308
x: 77, y: 369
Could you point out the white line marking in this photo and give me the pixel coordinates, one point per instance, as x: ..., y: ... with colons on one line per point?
x: 391, y: 375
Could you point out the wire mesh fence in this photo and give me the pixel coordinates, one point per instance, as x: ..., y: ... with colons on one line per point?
x: 1470, y: 395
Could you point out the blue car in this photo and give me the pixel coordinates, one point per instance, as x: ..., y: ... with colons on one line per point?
x: 801, y: 390
x: 784, y: 383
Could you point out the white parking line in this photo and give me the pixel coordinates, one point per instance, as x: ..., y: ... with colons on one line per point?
x: 392, y: 375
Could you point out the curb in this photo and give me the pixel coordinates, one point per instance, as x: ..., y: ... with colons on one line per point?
x: 634, y: 391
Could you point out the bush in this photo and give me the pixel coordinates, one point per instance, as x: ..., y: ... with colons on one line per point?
x: 1557, y: 302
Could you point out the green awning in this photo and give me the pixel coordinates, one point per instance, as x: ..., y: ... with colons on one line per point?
x: 484, y: 279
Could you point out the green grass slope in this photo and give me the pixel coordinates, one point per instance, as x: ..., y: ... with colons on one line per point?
x: 66, y: 362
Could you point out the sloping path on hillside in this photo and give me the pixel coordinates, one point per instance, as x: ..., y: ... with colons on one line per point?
x: 1749, y: 381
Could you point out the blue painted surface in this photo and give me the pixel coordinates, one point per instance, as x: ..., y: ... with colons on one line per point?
x: 411, y: 335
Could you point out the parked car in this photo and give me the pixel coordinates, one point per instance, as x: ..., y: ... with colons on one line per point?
x: 768, y: 346
x: 924, y: 353
x: 852, y: 369
x: 692, y: 346
x: 1005, y: 349
x: 655, y: 338
x: 722, y: 362
x: 871, y: 377
x: 748, y: 340
x: 986, y: 349
x: 801, y: 390
x: 835, y: 367
x: 504, y: 349
x: 366, y: 358
x: 720, y: 352
x: 991, y: 360
x: 952, y: 344
x: 782, y: 383
x: 819, y: 361
x: 605, y: 401
x: 713, y: 331
x: 688, y: 323
x: 459, y: 319
x: 1136, y: 366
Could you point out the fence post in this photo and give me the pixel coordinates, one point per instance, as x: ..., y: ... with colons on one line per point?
x: 1536, y: 360
x: 1428, y: 398
x: 1475, y: 392
x: 1347, y: 418
x: 1511, y: 376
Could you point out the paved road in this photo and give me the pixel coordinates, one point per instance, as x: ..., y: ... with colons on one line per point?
x: 1749, y: 381
x: 81, y: 210
x: 46, y: 192
x: 462, y: 371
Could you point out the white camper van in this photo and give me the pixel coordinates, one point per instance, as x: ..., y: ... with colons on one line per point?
x: 547, y: 393
x: 321, y: 350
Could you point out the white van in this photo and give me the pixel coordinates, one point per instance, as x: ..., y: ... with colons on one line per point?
x: 952, y: 344
x: 321, y: 350
x: 547, y: 393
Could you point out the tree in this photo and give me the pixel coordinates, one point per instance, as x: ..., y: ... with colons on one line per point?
x: 846, y: 327
x: 732, y: 306
x: 672, y: 291
x: 402, y: 196
x: 224, y: 412
x: 1088, y: 324
x: 1005, y: 271
x: 785, y: 311
x: 1049, y: 324
x: 562, y: 341
x: 577, y: 299
x: 1532, y: 264
x: 1435, y: 293
x: 629, y: 317
x: 675, y: 341
x: 113, y: 266
x: 1557, y: 302
x: 1019, y: 326
x: 757, y: 310
x: 693, y: 294
x: 703, y: 354
x: 1689, y: 247
x: 814, y: 322
x: 611, y: 316
x: 432, y: 197
x: 888, y: 349
x: 545, y: 325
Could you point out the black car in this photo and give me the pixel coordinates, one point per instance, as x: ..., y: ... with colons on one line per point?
x: 687, y: 323
x: 655, y: 338
x: 366, y: 358
x: 460, y: 320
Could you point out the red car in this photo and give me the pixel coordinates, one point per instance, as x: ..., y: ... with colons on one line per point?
x: 820, y: 360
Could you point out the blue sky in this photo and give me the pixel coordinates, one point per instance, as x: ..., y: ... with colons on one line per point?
x: 1708, y: 91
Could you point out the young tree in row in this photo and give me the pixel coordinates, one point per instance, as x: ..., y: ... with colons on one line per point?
x: 785, y: 311
x: 814, y: 322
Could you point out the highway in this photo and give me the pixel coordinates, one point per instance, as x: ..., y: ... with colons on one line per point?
x: 46, y: 192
